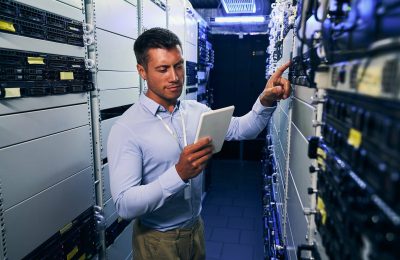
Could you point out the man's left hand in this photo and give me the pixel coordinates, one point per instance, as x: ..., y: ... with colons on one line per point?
x: 277, y: 87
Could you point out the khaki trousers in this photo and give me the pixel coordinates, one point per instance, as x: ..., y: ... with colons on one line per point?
x: 176, y: 244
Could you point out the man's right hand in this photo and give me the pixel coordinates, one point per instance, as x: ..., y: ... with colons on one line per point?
x: 194, y: 158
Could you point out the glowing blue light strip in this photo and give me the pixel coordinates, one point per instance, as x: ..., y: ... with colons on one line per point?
x: 240, y: 19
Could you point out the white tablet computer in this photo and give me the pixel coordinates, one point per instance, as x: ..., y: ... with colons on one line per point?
x: 215, y: 124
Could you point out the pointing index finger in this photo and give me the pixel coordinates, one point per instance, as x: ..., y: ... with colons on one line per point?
x: 278, y: 73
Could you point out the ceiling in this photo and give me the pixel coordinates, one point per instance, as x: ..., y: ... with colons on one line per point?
x: 210, y: 9
x: 200, y: 4
x: 263, y: 6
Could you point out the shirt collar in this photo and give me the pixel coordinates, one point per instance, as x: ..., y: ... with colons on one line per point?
x: 153, y: 106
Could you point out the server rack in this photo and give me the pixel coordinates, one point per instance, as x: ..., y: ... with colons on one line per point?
x: 45, y: 85
x: 289, y: 130
x: 339, y: 78
x: 117, y: 87
x: 47, y: 73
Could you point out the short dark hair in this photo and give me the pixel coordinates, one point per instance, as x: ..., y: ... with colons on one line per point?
x: 154, y: 38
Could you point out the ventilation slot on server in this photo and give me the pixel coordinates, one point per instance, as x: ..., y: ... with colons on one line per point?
x: 77, y: 240
x: 391, y: 77
x: 24, y: 20
x: 24, y: 74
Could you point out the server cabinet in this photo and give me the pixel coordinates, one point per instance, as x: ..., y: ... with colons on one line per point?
x: 46, y: 150
x: 292, y: 125
x: 117, y: 87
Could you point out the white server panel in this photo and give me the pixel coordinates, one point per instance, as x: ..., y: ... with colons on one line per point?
x: 191, y: 27
x: 153, y: 15
x: 120, y: 97
x: 299, y: 166
x: 74, y: 3
x: 284, y: 127
x: 190, y: 52
x: 288, y: 47
x: 303, y: 115
x: 41, y: 123
x: 298, y: 199
x: 10, y: 41
x: 176, y: 18
x: 117, y: 16
x: 28, y: 104
x: 42, y: 163
x: 115, y: 52
x: 33, y: 221
x: 112, y: 80
x: 297, y: 223
x: 304, y: 94
x: 105, y: 131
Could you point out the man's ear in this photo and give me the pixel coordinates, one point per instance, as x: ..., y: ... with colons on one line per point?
x: 142, y: 71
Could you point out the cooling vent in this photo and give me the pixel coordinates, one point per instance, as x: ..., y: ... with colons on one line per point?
x: 239, y: 6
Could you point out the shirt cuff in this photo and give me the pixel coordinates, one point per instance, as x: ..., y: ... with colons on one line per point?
x: 171, y: 182
x: 259, y: 108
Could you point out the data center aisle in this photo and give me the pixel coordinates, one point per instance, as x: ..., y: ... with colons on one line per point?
x: 232, y: 211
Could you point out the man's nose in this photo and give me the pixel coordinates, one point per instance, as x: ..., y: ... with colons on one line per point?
x: 174, y: 75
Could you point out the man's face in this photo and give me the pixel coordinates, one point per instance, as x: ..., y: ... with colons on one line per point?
x: 164, y: 74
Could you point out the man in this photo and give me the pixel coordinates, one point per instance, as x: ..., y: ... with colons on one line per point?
x: 155, y: 168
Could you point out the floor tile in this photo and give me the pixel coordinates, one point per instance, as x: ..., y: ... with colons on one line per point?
x: 231, y: 211
x: 241, y: 223
x: 213, y: 249
x: 225, y: 235
x: 237, y: 252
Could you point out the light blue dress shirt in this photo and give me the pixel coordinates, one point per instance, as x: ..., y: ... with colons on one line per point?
x: 142, y: 155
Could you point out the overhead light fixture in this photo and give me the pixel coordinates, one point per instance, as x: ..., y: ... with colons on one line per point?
x: 239, y: 19
x: 239, y: 7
